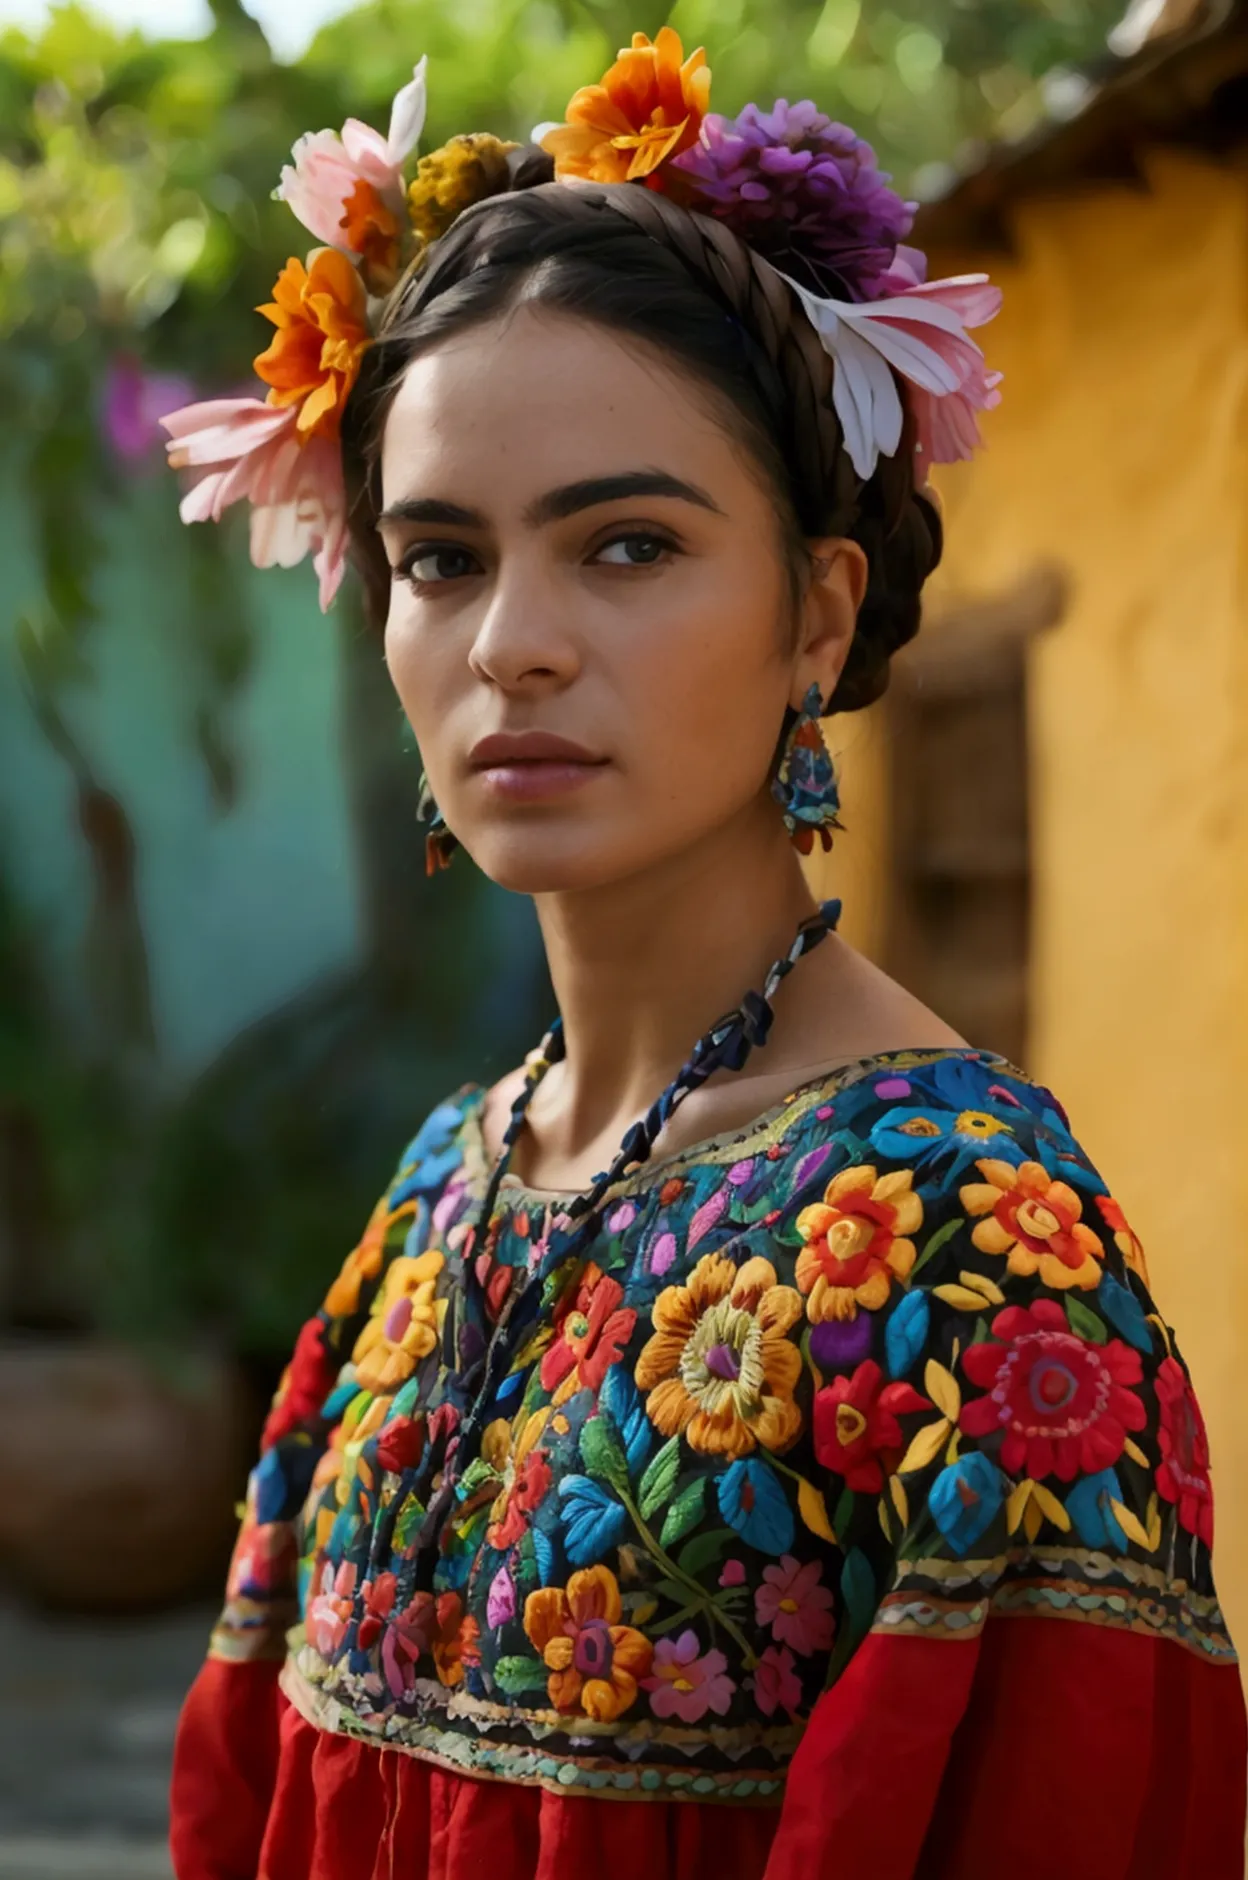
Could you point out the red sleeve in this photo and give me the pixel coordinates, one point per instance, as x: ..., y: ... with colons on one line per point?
x: 1039, y: 1748
x: 224, y: 1766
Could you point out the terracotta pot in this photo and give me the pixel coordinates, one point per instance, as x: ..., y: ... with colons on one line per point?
x: 117, y: 1480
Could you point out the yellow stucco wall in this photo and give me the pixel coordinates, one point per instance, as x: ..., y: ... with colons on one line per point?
x: 1120, y: 453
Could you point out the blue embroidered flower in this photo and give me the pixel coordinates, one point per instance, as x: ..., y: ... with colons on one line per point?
x: 1088, y: 1507
x: 592, y: 1519
x: 964, y: 1500
x: 753, y: 1503
x: 435, y: 1153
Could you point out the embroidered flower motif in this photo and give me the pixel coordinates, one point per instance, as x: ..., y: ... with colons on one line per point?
x: 378, y: 1596
x: 306, y: 1382
x: 794, y: 1604
x: 329, y: 1613
x: 591, y: 1331
x: 404, y: 1325
x: 1062, y: 1402
x: 405, y: 1641
x: 521, y: 1472
x: 648, y: 107
x: 1183, y: 1477
x: 720, y: 1368
x: 930, y: 1136
x: 322, y: 334
x: 595, y: 1663
x: 857, y: 1434
x: 364, y: 1261
x: 776, y: 1683
x: 686, y: 1685
x: 1035, y: 1222
x: 1126, y: 1239
x: 964, y: 1499
x: 856, y: 1242
x: 401, y: 1444
x: 455, y: 1638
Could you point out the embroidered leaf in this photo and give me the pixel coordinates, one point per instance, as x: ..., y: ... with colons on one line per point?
x: 925, y: 1447
x: 882, y: 1512
x: 543, y: 1556
x: 810, y: 1164
x: 980, y: 1283
x: 942, y: 1388
x: 906, y: 1333
x: 755, y: 1506
x: 592, y: 1521
x: 1033, y: 1519
x: 705, y: 1217
x: 814, y: 1511
x: 660, y: 1478
x: 1153, y: 1524
x: 602, y: 1454
x: 684, y: 1511
x: 702, y: 1550
x: 815, y: 1372
x: 1020, y: 1496
x: 936, y: 1242
x: 643, y: 1610
x: 520, y: 1674
x: 951, y: 1454
x: 1155, y: 1318
x: 1124, y: 1312
x: 1084, y: 1323
x: 901, y: 1501
x: 1137, y: 1454
x: 1051, y: 1507
x: 1132, y: 1528
x: 980, y: 1335
x: 620, y: 1398
x: 858, y: 1592
x: 960, y: 1297
x: 674, y: 1590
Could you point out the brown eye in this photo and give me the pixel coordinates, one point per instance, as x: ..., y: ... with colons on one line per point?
x: 432, y: 563
x: 635, y: 551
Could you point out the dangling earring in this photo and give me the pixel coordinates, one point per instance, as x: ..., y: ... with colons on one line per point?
x: 440, y: 843
x: 805, y: 783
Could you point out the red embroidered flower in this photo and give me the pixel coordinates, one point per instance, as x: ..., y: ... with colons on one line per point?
x: 1061, y: 1401
x: 401, y: 1444
x: 856, y: 1427
x: 306, y: 1383
x: 591, y: 1332
x: 378, y: 1605
x: 1183, y: 1476
x: 528, y: 1491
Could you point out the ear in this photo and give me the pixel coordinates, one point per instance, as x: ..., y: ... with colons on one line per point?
x: 828, y: 614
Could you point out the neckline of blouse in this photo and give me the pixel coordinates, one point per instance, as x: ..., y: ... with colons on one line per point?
x: 764, y: 1130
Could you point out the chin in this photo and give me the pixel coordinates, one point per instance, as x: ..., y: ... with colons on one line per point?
x: 551, y: 859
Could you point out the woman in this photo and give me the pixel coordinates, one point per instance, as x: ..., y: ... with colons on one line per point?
x: 809, y: 1485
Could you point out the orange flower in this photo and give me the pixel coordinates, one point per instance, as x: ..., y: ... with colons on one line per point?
x: 322, y: 332
x: 595, y: 1663
x: 371, y: 231
x: 403, y: 1328
x: 364, y: 1261
x: 649, y: 107
x: 1126, y: 1239
x: 857, y: 1241
x: 1035, y: 1222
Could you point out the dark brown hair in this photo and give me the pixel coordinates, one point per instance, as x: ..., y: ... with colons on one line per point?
x: 636, y: 263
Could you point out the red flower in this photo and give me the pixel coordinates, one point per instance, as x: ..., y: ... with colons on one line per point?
x: 1183, y: 1475
x: 306, y: 1383
x: 401, y: 1444
x: 1061, y: 1401
x: 378, y: 1605
x: 591, y: 1333
x: 528, y: 1491
x: 856, y: 1427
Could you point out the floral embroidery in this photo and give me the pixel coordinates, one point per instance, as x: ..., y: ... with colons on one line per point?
x: 595, y: 1663
x: 1126, y: 1239
x: 686, y: 1684
x: 523, y: 1474
x: 1063, y: 1402
x: 720, y: 1367
x: 1035, y: 1222
x: 404, y: 1325
x: 856, y: 1242
x: 590, y: 1335
x: 796, y: 1607
x: 776, y: 1685
x: 857, y: 1434
x: 1183, y: 1477
x: 365, y: 1260
x: 306, y: 1382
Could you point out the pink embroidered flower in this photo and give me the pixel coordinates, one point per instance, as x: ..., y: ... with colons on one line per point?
x: 732, y: 1573
x: 407, y: 1636
x: 1183, y: 1477
x: 776, y: 1683
x: 500, y: 1605
x: 686, y: 1685
x: 329, y: 1613
x: 796, y: 1607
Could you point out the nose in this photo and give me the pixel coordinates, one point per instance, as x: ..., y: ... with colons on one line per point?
x: 524, y: 641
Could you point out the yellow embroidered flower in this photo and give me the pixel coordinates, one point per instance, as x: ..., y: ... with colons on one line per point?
x: 404, y: 1325
x: 450, y: 180
x: 720, y: 1367
x: 364, y: 1261
x: 595, y: 1663
x: 857, y: 1242
x: 648, y: 107
x: 1035, y: 1222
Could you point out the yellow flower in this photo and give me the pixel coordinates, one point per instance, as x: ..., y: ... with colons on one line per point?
x: 1035, y: 1221
x: 595, y: 1663
x: 320, y: 314
x: 364, y: 1261
x: 450, y: 180
x: 857, y: 1242
x: 648, y: 107
x: 404, y: 1326
x: 720, y: 1367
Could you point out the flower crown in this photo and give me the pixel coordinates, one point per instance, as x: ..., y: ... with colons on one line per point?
x: 805, y: 194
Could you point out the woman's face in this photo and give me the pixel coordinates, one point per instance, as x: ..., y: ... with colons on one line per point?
x: 582, y: 556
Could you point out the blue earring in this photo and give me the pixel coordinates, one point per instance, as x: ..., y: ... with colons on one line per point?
x: 440, y: 843
x: 805, y: 783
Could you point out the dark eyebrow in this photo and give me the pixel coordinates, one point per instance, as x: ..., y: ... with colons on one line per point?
x: 556, y: 505
x: 429, y: 509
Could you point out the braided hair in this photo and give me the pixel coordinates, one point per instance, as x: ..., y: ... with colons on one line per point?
x: 638, y: 263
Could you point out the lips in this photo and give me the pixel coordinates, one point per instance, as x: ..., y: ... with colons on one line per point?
x: 503, y: 749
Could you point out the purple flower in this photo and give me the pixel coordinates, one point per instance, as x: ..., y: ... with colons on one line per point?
x: 134, y: 402
x: 805, y: 193
x: 840, y: 1344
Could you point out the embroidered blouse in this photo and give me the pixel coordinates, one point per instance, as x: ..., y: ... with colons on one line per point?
x: 733, y: 1509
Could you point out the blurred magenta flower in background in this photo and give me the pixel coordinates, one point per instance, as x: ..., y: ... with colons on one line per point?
x: 134, y: 402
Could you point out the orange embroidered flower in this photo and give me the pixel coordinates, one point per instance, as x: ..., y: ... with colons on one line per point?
x: 322, y: 332
x: 404, y: 1325
x: 1035, y: 1221
x: 857, y: 1241
x: 371, y: 230
x: 595, y: 1663
x: 364, y: 1260
x: 649, y: 107
x: 720, y: 1367
x: 1126, y: 1239
x: 521, y: 1475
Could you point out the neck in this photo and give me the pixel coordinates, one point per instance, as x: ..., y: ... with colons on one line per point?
x: 642, y: 967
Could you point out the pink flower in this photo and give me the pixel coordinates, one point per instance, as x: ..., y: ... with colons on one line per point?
x: 408, y: 1634
x: 795, y: 1606
x: 135, y: 401
x: 685, y: 1685
x: 776, y: 1684
x: 733, y: 1573
x: 240, y: 447
x: 328, y: 167
x: 328, y: 1614
x: 501, y: 1602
